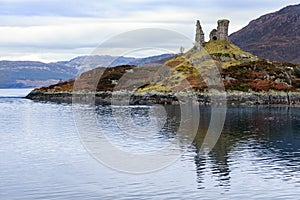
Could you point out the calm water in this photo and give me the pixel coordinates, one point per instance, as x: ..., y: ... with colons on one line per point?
x: 41, y: 157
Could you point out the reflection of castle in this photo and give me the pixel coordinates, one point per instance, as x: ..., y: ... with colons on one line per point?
x: 221, y: 33
x: 270, y: 133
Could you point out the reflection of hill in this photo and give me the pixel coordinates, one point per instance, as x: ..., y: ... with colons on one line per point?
x: 270, y: 133
x: 264, y: 141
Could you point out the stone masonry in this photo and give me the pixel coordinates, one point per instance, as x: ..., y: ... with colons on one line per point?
x: 199, y: 39
x: 221, y: 33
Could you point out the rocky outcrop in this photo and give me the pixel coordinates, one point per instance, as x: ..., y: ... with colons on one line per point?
x: 232, y: 98
x: 247, y: 79
x: 248, y: 82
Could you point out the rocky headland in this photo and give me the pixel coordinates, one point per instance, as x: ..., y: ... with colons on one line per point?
x: 244, y: 79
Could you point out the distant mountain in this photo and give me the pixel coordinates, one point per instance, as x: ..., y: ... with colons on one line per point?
x: 112, y: 61
x: 94, y: 61
x: 153, y: 59
x: 274, y: 36
x: 20, y: 74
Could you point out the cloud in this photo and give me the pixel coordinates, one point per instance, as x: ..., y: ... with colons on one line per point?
x: 124, y: 8
x: 44, y: 8
x: 61, y: 35
x: 69, y: 37
x: 59, y: 29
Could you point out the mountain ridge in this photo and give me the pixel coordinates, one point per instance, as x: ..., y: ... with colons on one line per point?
x: 25, y: 74
x: 274, y: 36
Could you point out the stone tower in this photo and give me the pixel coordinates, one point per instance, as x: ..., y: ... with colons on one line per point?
x: 221, y: 33
x: 213, y: 35
x: 199, y: 39
x: 223, y: 29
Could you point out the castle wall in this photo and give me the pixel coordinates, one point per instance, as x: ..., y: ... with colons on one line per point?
x: 223, y: 29
x: 221, y: 33
x: 199, y: 39
x: 214, y: 35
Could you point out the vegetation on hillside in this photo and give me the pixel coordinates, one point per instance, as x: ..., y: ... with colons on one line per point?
x: 274, y: 36
x: 191, y: 71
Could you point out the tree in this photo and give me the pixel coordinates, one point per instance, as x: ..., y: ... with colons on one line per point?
x: 181, y: 50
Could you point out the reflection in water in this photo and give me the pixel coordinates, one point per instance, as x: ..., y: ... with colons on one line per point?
x: 256, y: 157
x: 272, y: 134
x: 216, y: 160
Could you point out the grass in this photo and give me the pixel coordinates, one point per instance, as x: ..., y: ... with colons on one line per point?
x: 220, y: 48
x: 241, y: 71
x: 223, y: 47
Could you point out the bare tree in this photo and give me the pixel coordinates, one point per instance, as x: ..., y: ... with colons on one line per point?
x: 181, y: 50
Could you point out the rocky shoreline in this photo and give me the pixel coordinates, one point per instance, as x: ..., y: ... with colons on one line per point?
x: 230, y: 98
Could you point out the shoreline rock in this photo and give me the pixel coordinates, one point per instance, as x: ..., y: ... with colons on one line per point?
x: 232, y: 98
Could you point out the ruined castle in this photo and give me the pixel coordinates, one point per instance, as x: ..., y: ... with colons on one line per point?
x: 221, y: 33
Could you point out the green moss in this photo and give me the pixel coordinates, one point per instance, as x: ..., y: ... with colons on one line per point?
x: 222, y: 55
x: 178, y: 58
x: 297, y: 72
x: 223, y: 20
x: 224, y: 47
x: 184, y: 67
x: 152, y: 87
x: 221, y: 48
x: 241, y: 87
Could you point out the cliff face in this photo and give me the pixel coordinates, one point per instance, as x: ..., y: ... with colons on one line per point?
x: 274, y: 36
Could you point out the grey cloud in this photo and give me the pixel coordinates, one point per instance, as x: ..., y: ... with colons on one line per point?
x: 143, y: 39
x: 117, y: 8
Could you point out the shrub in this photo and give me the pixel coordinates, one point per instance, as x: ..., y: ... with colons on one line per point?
x: 297, y: 72
x: 261, y: 85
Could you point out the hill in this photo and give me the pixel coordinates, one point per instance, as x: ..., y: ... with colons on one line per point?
x: 274, y: 36
x: 240, y: 71
x: 20, y: 74
x: 112, y: 61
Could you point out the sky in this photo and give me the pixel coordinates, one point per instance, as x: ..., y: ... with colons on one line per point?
x: 55, y: 30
